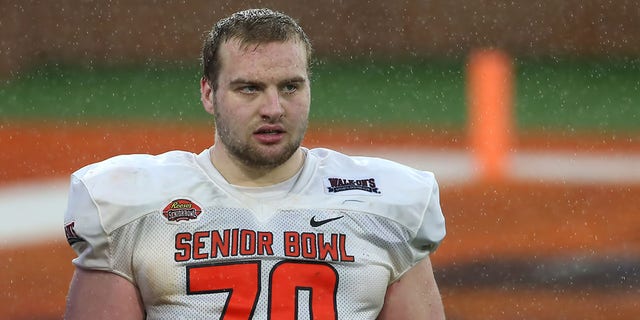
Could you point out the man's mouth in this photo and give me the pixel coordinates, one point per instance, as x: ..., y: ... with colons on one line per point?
x: 269, y: 134
x: 270, y: 129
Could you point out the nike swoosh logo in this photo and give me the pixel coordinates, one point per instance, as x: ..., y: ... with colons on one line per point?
x: 317, y: 223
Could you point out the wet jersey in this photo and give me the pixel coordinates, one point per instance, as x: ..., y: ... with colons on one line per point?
x: 198, y: 248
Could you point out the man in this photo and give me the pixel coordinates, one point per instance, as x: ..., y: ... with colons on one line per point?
x: 255, y: 227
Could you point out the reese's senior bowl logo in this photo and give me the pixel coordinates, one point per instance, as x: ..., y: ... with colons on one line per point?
x: 181, y: 210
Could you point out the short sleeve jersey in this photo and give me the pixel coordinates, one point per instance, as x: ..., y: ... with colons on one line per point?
x: 198, y: 248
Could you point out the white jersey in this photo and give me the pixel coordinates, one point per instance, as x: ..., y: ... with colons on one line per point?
x: 198, y: 248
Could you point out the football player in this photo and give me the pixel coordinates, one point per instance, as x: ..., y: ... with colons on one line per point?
x: 256, y: 226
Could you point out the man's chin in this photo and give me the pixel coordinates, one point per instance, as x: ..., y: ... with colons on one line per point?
x: 269, y: 156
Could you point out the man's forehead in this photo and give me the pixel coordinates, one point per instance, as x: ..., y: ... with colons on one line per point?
x: 238, y: 46
x: 246, y: 60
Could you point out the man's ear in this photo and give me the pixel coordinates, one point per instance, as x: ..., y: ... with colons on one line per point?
x: 207, y: 96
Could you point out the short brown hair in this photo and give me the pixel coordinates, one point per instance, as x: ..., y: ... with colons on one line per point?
x: 253, y: 26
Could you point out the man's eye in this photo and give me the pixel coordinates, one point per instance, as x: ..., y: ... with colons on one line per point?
x: 248, y: 89
x: 290, y: 88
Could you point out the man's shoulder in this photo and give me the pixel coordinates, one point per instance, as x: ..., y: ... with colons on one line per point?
x: 136, y: 183
x: 131, y: 165
x: 121, y: 178
x: 334, y: 161
x: 379, y: 186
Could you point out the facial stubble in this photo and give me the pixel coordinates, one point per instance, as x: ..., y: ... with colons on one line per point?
x: 250, y: 154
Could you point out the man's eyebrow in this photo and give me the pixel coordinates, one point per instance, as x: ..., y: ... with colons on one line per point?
x: 241, y: 81
x: 294, y: 80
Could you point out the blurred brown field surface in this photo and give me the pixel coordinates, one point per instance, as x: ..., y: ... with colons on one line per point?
x: 499, y: 235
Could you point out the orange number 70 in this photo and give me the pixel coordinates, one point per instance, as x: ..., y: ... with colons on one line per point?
x: 242, y: 281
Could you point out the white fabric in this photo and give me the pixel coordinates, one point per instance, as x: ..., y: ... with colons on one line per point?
x: 377, y: 219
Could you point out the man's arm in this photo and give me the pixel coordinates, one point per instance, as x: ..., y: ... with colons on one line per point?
x: 414, y: 296
x: 102, y: 295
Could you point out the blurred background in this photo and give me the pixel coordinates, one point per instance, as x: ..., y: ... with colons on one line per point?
x: 528, y: 112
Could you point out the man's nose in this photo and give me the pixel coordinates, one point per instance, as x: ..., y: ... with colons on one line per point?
x: 271, y: 108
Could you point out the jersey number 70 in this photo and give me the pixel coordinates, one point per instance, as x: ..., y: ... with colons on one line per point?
x: 242, y: 281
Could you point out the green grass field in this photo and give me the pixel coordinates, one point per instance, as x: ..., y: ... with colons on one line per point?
x: 559, y: 95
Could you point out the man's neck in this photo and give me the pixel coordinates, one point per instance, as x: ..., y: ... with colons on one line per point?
x: 237, y: 173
